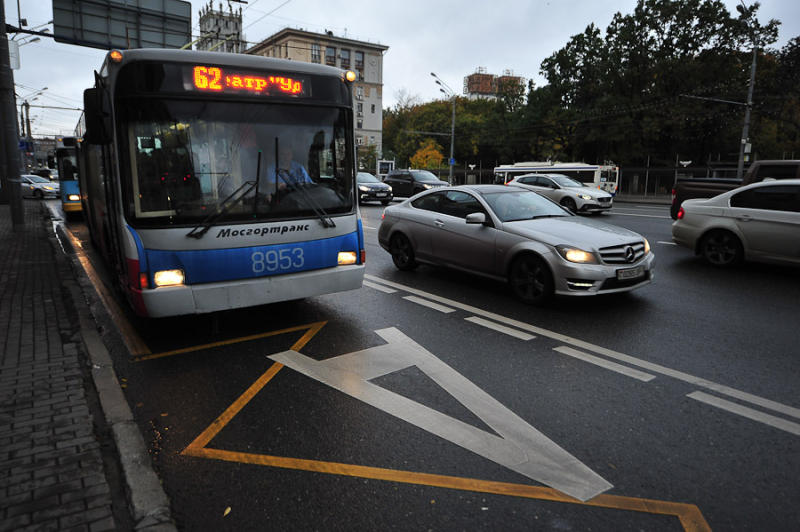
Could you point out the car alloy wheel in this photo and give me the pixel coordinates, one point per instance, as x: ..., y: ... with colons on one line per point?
x: 531, y: 280
x: 402, y: 252
x: 721, y: 248
x: 569, y: 203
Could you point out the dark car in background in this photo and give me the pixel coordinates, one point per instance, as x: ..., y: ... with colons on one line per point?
x: 406, y: 183
x: 371, y: 189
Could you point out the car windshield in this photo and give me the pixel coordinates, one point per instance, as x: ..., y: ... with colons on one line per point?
x: 512, y: 206
x: 188, y: 158
x: 364, y: 177
x: 565, y: 181
x: 38, y: 179
x: 424, y: 176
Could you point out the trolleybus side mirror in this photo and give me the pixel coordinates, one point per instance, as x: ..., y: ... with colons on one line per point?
x: 98, y: 116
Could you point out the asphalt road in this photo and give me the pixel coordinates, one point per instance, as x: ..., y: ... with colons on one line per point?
x: 678, y: 402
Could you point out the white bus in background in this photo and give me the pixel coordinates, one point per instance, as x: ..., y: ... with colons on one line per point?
x: 603, y: 176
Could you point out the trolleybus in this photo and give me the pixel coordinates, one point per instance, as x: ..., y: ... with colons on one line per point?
x: 218, y: 181
x: 602, y: 176
x: 67, y: 163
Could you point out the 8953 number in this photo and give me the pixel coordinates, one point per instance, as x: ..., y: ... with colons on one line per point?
x: 273, y: 260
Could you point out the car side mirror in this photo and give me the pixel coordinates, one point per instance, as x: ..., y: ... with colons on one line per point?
x: 476, y: 218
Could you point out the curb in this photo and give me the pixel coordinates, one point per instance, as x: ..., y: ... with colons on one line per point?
x: 148, y: 503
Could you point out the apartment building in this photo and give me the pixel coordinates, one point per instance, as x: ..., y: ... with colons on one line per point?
x: 364, y: 58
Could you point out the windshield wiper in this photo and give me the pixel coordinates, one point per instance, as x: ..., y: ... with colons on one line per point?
x: 323, y: 216
x: 222, y: 208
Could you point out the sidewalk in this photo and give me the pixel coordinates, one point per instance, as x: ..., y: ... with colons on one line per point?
x: 57, y: 463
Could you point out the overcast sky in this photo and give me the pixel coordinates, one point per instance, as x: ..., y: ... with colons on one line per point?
x: 448, y: 37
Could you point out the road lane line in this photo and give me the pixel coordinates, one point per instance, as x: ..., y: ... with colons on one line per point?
x: 500, y: 328
x: 603, y: 363
x: 749, y: 413
x: 610, y: 353
x: 429, y: 304
x: 230, y: 341
x: 369, y: 227
x: 380, y: 288
x: 218, y: 424
x: 136, y: 346
x: 640, y: 215
x: 666, y: 243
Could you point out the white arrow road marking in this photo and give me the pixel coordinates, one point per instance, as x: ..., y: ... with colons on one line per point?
x: 519, y: 446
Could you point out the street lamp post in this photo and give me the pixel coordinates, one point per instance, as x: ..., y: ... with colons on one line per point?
x: 445, y: 89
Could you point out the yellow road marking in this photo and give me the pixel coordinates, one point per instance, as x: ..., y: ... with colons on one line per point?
x: 689, y: 514
x: 227, y: 342
x: 134, y: 343
x: 212, y: 430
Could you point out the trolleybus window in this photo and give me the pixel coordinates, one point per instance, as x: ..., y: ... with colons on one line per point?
x: 189, y: 157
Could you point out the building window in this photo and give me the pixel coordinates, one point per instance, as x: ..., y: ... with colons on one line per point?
x: 345, y: 59
x: 360, y: 124
x: 316, y: 57
x: 359, y: 61
x: 372, y: 140
x: 359, y: 93
x: 373, y: 108
x: 359, y: 140
x: 359, y: 107
x: 330, y: 56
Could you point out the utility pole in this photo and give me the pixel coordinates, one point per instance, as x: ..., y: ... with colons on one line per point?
x: 746, y: 128
x: 9, y: 146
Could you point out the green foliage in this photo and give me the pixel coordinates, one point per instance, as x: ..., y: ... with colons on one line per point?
x: 631, y: 92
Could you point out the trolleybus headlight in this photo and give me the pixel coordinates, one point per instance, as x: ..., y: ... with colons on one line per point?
x: 168, y: 278
x: 350, y: 76
x: 73, y: 197
x: 347, y: 257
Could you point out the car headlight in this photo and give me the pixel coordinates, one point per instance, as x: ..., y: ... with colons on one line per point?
x: 389, y: 189
x: 427, y: 187
x: 586, y: 197
x: 48, y: 188
x: 646, y: 247
x: 363, y: 188
x: 577, y: 255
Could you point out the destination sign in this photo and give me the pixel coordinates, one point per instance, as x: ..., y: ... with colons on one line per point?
x: 219, y: 80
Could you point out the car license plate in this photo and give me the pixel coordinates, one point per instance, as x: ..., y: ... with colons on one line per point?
x: 630, y: 273
x: 380, y: 194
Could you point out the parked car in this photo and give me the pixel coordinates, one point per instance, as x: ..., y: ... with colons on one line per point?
x: 689, y: 188
x: 34, y: 186
x: 758, y: 222
x: 45, y: 172
x: 516, y: 235
x: 371, y: 189
x: 406, y: 183
x: 565, y: 191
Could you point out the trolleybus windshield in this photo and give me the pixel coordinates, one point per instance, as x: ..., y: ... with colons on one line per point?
x: 185, y: 157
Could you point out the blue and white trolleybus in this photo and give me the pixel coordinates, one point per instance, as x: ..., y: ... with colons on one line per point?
x: 219, y: 181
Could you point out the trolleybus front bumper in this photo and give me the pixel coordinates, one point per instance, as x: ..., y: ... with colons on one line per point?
x: 212, y: 297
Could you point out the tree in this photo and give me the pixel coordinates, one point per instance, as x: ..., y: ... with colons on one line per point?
x: 429, y: 155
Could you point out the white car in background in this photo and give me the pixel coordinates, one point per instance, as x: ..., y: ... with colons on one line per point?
x: 34, y: 186
x: 565, y: 191
x: 758, y: 222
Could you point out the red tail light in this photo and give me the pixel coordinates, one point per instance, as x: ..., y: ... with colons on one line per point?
x: 680, y: 213
x: 363, y: 256
x: 143, y: 280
